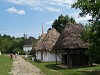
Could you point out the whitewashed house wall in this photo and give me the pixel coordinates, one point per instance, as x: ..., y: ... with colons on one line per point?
x: 47, y: 56
x: 42, y: 45
x: 38, y: 55
x: 27, y: 48
x: 51, y: 56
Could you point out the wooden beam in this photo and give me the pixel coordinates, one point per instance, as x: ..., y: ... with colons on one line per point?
x: 59, y: 56
x: 56, y: 56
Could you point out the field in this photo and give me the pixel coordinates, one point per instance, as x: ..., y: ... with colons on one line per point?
x: 49, y: 68
x: 5, y: 65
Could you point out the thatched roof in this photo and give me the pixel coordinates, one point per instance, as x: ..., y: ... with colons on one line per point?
x: 38, y: 44
x: 49, y: 40
x: 27, y: 46
x: 70, y: 38
x: 30, y: 40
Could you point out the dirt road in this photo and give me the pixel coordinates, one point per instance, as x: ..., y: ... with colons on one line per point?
x: 21, y: 67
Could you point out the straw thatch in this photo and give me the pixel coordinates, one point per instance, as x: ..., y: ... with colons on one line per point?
x: 49, y: 40
x: 70, y: 38
x: 27, y: 46
x: 29, y: 41
x: 38, y: 44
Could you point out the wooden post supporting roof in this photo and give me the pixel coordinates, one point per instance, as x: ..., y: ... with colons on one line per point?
x: 59, y: 55
x: 56, y: 56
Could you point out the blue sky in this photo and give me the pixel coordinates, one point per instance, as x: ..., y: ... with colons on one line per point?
x: 26, y: 16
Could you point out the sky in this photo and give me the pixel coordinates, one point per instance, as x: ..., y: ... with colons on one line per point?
x: 26, y: 16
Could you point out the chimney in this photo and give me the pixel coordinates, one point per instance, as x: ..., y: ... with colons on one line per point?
x: 42, y: 29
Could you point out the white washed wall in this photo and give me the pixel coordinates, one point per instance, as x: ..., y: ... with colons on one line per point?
x: 51, y: 57
x: 47, y: 56
x: 27, y: 49
x: 38, y: 55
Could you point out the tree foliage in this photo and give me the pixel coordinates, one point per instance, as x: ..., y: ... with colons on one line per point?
x: 85, y: 35
x: 10, y: 44
x: 91, y: 7
x: 60, y: 23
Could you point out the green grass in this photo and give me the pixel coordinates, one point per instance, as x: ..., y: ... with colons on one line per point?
x: 49, y: 68
x: 5, y: 65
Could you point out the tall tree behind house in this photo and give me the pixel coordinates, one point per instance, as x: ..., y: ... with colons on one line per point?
x: 91, y: 7
x: 60, y: 23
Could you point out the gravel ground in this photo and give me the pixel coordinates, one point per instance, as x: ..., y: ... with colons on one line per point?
x: 21, y: 67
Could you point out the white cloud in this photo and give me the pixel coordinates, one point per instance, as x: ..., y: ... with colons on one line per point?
x: 39, y: 2
x: 60, y: 2
x: 81, y: 19
x: 38, y: 9
x: 53, y: 9
x: 39, y: 5
x: 14, y: 10
x: 31, y: 3
x: 68, y: 1
x: 49, y: 22
x: 23, y: 2
x: 15, y: 1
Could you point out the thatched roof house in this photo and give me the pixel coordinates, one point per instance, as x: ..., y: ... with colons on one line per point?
x: 70, y: 38
x: 28, y: 44
x: 71, y: 46
x: 48, y: 40
x: 44, y: 46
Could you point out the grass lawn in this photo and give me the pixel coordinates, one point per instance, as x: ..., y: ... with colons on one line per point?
x: 49, y: 68
x: 5, y: 65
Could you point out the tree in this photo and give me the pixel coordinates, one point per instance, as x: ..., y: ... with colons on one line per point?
x: 10, y: 44
x: 91, y: 7
x: 86, y: 33
x: 5, y: 45
x: 60, y: 23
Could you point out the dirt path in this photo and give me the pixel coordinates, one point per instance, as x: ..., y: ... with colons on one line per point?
x: 21, y: 67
